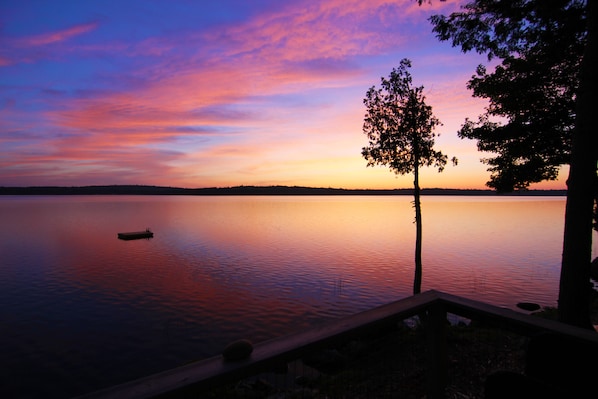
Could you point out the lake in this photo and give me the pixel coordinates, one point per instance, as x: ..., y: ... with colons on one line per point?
x: 81, y: 309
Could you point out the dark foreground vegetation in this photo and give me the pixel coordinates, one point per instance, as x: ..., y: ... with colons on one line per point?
x: 390, y: 364
x: 484, y: 361
x: 246, y: 190
x: 432, y: 345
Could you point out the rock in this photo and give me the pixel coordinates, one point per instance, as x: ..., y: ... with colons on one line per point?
x: 237, y: 350
x: 529, y: 306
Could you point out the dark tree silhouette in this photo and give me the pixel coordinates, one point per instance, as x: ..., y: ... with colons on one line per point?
x: 544, y: 88
x: 533, y: 88
x: 400, y: 129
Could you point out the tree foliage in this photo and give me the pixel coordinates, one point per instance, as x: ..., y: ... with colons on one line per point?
x: 545, y: 88
x: 400, y: 129
x: 532, y: 91
x: 400, y: 125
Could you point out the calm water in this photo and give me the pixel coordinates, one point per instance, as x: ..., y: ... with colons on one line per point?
x: 80, y: 309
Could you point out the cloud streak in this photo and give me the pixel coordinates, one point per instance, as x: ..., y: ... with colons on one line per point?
x: 57, y: 36
x: 33, y: 48
x: 274, y: 97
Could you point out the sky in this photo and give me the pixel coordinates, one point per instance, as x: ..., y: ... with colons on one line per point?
x: 215, y: 94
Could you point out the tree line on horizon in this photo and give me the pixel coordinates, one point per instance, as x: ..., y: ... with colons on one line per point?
x: 252, y: 190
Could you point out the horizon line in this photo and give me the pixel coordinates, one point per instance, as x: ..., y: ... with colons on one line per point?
x: 142, y: 189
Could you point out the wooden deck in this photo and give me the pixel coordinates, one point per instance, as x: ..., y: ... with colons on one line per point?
x: 215, y: 371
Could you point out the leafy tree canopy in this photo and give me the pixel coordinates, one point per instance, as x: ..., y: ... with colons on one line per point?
x: 532, y: 91
x: 400, y: 125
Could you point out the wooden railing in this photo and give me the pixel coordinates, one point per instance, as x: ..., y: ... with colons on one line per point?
x: 433, y: 306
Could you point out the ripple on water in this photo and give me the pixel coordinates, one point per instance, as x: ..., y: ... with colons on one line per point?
x: 75, y: 301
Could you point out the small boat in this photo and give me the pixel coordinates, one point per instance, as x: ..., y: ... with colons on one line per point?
x: 135, y: 235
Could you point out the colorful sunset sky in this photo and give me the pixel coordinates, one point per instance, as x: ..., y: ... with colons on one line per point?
x: 220, y: 93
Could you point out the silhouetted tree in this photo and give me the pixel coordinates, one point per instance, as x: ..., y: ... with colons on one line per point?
x: 400, y: 129
x: 543, y: 91
x: 540, y: 45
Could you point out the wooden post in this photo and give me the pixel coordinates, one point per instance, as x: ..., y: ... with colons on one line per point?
x: 436, y: 351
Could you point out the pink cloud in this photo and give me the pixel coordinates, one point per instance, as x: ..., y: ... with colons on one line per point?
x: 30, y: 49
x: 58, y: 36
x: 215, y: 86
x: 91, y: 165
x: 5, y: 61
x: 306, y: 31
x: 328, y: 29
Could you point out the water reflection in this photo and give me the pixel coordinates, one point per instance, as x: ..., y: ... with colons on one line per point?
x: 75, y: 300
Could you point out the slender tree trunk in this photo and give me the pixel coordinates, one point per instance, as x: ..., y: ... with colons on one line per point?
x: 417, y: 282
x: 574, y: 289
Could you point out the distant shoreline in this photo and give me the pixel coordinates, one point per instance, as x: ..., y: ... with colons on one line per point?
x: 254, y: 190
